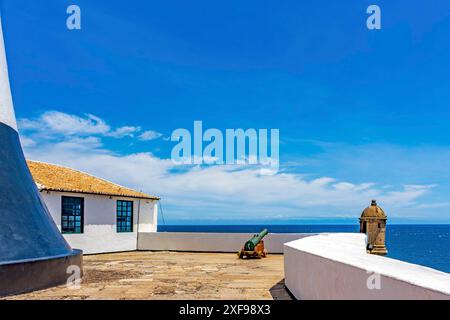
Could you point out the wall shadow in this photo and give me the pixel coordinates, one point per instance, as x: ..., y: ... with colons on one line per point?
x: 280, y: 292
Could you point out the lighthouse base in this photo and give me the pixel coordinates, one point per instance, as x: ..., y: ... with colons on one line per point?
x: 36, y: 274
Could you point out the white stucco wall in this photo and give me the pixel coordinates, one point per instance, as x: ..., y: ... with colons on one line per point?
x: 336, y: 266
x: 100, y: 235
x: 148, y: 222
x: 211, y: 242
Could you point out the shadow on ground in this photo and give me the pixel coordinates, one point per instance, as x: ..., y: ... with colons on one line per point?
x: 280, y: 292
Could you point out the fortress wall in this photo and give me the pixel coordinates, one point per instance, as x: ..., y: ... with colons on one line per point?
x: 336, y: 266
x: 210, y: 242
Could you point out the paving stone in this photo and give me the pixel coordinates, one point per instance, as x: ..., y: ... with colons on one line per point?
x: 173, y: 276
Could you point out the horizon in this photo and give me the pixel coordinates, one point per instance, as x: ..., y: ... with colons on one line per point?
x: 362, y: 114
x: 335, y: 222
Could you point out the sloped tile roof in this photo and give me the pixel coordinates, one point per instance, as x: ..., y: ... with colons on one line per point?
x: 50, y: 177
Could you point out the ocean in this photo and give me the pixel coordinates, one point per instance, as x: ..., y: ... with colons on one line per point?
x: 427, y: 245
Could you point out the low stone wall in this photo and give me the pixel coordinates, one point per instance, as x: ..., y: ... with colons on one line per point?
x: 336, y: 266
x: 210, y: 242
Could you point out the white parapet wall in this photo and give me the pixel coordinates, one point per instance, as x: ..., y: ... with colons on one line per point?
x: 210, y: 242
x: 336, y: 266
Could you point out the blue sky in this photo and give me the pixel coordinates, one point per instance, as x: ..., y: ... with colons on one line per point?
x: 361, y: 113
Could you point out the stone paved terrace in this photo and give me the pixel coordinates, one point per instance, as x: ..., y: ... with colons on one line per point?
x: 174, y: 275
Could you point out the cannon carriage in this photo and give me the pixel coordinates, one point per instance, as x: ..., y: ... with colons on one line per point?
x: 254, y: 248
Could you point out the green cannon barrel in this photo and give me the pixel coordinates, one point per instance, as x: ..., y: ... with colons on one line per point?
x: 253, y: 242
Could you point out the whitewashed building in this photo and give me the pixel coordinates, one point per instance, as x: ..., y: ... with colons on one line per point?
x: 94, y: 215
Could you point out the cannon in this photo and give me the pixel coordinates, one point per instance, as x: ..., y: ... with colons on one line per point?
x: 254, y: 248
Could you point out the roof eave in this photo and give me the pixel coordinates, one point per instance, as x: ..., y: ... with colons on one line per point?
x: 100, y: 194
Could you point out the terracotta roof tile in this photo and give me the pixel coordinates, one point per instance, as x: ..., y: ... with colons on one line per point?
x: 49, y: 177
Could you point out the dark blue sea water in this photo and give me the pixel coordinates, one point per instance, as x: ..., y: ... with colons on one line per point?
x: 427, y: 245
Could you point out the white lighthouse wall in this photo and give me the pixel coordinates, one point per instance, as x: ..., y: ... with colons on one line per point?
x: 6, y: 106
x: 100, y: 234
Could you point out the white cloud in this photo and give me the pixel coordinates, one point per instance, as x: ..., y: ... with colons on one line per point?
x: 55, y: 123
x: 27, y: 142
x: 127, y: 131
x: 149, y: 135
x: 223, y: 191
x: 437, y: 205
x: 323, y: 181
x: 220, y: 192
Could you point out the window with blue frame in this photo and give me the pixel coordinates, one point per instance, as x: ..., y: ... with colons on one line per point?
x: 72, y: 215
x: 124, y: 216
